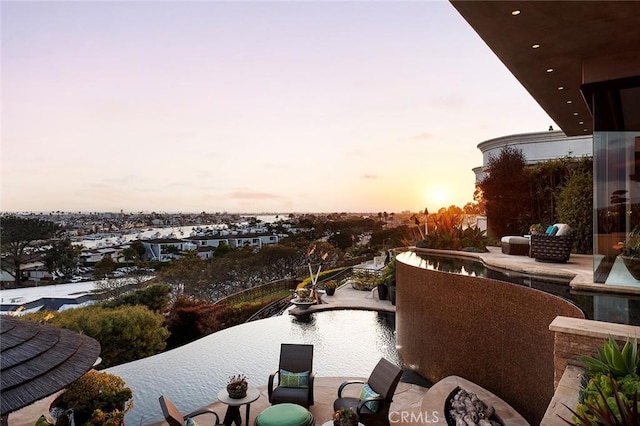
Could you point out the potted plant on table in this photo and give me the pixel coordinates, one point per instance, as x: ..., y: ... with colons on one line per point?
x: 345, y: 417
x: 237, y: 386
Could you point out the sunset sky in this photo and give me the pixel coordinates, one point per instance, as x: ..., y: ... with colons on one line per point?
x: 288, y: 106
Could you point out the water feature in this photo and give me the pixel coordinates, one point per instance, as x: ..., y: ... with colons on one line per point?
x: 609, y: 307
x: 346, y: 344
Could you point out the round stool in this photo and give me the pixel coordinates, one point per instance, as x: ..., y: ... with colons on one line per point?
x: 285, y: 414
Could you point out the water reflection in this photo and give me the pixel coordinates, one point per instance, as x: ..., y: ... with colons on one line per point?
x: 346, y: 344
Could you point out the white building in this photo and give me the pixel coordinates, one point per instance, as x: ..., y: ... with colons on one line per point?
x: 536, y: 147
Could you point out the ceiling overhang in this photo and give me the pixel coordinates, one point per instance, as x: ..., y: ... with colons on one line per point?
x: 553, y: 47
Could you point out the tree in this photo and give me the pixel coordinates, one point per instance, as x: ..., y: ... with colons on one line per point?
x: 505, y: 191
x: 575, y: 206
x: 63, y: 257
x: 222, y: 249
x: 134, y: 253
x: 19, y: 235
x: 105, y: 266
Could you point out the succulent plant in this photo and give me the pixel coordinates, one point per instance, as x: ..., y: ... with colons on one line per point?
x: 610, y: 359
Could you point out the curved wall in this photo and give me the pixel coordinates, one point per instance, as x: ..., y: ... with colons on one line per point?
x: 492, y: 333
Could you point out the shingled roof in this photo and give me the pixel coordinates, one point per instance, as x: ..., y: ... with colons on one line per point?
x: 38, y: 360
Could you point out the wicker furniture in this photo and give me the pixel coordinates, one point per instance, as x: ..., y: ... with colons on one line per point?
x: 518, y: 246
x: 383, y: 380
x: 551, y: 248
x: 296, y: 359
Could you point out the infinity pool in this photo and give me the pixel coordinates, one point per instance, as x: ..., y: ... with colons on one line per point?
x: 609, y: 307
x: 346, y: 344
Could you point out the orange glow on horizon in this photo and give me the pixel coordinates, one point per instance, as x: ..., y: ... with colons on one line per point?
x: 437, y: 197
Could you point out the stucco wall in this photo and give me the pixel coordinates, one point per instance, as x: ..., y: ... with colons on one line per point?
x: 492, y: 333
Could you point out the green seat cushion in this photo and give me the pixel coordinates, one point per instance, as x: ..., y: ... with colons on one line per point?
x: 284, y: 415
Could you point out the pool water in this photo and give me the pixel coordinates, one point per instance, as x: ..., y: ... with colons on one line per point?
x: 609, y: 307
x: 346, y: 344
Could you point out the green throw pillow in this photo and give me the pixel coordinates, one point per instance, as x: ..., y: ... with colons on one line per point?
x: 294, y: 380
x: 367, y: 392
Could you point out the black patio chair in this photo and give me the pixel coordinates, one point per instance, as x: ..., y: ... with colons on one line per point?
x: 383, y: 381
x: 295, y: 376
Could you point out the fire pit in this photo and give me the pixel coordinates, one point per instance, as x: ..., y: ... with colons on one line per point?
x: 465, y: 408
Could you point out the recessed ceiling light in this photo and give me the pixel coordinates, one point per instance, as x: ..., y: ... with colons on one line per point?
x: 586, y: 130
x: 535, y: 46
x: 575, y: 113
x: 515, y: 12
x: 560, y: 87
x: 549, y: 69
x: 569, y: 101
x: 580, y: 122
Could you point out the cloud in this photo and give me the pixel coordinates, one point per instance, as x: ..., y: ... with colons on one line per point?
x: 369, y: 176
x: 241, y: 195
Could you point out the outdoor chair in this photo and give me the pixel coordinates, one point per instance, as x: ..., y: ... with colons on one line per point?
x: 175, y: 418
x: 295, y: 376
x: 554, y: 247
x: 376, y: 395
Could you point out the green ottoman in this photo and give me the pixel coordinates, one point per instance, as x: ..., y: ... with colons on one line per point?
x: 285, y: 414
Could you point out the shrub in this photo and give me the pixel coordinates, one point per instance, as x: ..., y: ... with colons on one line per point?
x: 388, y: 274
x: 156, y: 298
x: 103, y: 395
x: 575, y: 206
x: 125, y: 334
x: 364, y: 280
x: 190, y: 319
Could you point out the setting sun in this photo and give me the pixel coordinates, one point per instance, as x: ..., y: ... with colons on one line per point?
x: 437, y: 197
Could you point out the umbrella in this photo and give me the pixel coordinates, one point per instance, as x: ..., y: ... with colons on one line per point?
x: 38, y: 360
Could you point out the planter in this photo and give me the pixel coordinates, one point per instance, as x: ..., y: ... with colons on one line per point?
x: 237, y: 393
x: 392, y: 294
x: 330, y: 291
x: 633, y: 265
x: 383, y: 291
x: 302, y: 305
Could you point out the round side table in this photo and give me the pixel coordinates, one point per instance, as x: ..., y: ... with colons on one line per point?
x: 233, y: 405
